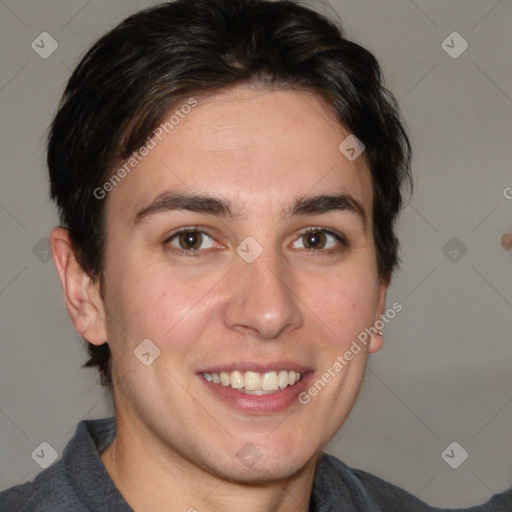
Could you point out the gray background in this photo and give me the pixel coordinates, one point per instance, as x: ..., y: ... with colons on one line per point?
x: 444, y: 374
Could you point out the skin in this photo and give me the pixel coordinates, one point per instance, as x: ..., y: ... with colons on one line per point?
x: 177, y: 443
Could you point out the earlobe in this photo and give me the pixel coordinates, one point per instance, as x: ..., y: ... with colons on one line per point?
x: 82, y: 295
x: 377, y: 340
x: 376, y: 343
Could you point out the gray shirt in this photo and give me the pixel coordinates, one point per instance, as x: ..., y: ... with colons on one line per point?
x: 79, y: 482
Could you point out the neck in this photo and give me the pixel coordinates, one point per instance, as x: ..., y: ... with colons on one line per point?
x: 153, y: 477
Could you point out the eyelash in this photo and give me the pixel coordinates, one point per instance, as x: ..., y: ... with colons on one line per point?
x: 184, y: 252
x: 340, y: 237
x: 344, y: 244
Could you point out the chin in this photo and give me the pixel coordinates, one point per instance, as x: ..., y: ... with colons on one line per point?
x: 252, y: 467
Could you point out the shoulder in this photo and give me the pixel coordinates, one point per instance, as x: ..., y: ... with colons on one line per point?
x: 39, y: 495
x: 61, y: 486
x: 345, y: 486
x: 368, y: 492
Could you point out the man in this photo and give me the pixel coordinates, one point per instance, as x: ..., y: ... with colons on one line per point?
x: 228, y: 175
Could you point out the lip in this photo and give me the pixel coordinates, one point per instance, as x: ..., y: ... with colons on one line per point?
x: 258, y: 405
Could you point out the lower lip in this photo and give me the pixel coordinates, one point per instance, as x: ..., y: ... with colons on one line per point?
x: 258, y: 404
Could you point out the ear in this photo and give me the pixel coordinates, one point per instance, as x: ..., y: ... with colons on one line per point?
x: 82, y: 295
x: 377, y: 341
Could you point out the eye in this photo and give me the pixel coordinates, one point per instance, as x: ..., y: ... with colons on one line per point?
x: 191, y: 240
x: 315, y: 239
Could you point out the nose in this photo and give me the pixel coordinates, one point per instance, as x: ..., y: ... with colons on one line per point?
x: 263, y: 302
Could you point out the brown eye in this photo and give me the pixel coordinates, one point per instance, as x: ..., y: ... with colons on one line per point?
x: 320, y: 239
x: 191, y: 240
x: 314, y: 240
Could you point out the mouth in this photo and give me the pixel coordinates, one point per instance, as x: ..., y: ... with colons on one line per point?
x: 257, y: 388
x: 255, y: 383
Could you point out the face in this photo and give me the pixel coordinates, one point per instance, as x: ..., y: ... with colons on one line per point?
x: 242, y: 247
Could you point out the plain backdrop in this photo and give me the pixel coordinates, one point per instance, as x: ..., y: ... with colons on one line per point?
x: 444, y: 374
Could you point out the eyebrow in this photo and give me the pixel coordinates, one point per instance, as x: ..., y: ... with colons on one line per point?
x: 191, y: 202
x: 316, y: 205
x: 326, y: 203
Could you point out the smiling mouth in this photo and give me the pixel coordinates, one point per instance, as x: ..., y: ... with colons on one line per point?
x: 255, y: 383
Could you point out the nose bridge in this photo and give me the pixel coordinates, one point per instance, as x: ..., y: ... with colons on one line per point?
x: 262, y: 301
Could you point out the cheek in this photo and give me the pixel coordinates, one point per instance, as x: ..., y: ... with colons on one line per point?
x: 151, y: 301
x: 346, y: 302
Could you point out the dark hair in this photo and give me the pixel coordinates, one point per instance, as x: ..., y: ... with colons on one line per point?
x: 129, y: 80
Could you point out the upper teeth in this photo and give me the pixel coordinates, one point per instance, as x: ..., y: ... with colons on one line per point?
x: 254, y: 381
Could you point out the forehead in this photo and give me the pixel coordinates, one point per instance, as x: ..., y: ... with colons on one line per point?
x: 249, y: 146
